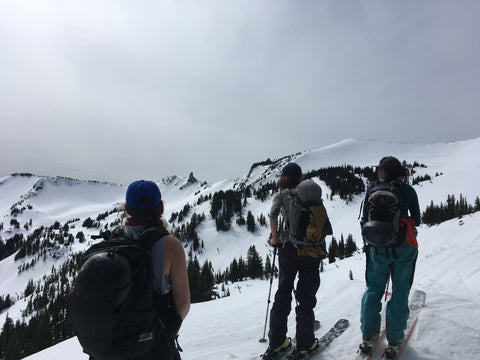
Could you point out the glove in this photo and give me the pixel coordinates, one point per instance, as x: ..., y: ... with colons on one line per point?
x: 171, y: 323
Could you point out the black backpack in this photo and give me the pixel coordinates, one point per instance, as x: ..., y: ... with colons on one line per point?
x: 308, y: 222
x: 382, y: 226
x: 113, y: 306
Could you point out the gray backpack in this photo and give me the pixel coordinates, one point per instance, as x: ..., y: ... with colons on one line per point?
x: 308, y: 222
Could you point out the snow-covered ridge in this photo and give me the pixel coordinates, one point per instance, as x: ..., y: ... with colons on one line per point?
x: 453, y: 166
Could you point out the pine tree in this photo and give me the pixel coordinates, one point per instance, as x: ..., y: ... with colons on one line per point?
x: 350, y: 246
x: 5, y: 335
x: 242, y: 268
x: 250, y: 222
x: 196, y: 241
x: 254, y: 263
x: 193, y: 271
x: 234, y: 274
x: 341, y: 248
x: 268, y: 268
x: 332, y: 250
x: 262, y: 220
x: 207, y: 281
x: 29, y: 289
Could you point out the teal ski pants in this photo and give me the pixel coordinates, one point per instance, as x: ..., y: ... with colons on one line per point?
x: 380, y: 266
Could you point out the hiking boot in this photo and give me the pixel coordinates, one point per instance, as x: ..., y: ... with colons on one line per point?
x: 298, y: 354
x: 272, y: 354
x: 393, y: 350
x: 368, y: 344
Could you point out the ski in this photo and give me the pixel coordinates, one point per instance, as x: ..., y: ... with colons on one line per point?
x: 336, y: 330
x: 361, y: 356
x: 323, y: 342
x: 416, y: 304
x: 417, y: 301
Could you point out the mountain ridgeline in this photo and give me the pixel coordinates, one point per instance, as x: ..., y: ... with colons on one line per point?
x: 49, y: 223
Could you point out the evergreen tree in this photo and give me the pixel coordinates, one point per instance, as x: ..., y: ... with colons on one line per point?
x: 332, y: 250
x: 207, y: 281
x: 261, y: 219
x: 250, y: 222
x: 268, y: 268
x: 5, y: 336
x: 242, y: 268
x: 30, y: 288
x: 341, y: 248
x: 88, y: 223
x: 350, y: 246
x: 193, y: 271
x: 234, y: 273
x: 254, y: 263
x: 241, y: 221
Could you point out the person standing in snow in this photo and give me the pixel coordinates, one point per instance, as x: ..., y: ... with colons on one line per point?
x: 289, y: 265
x: 143, y: 212
x: 397, y: 262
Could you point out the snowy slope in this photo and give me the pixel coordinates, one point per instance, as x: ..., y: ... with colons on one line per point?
x: 448, y: 269
x: 230, y: 327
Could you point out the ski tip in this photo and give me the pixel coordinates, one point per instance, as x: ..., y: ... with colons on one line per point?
x: 417, y: 300
x: 419, y: 292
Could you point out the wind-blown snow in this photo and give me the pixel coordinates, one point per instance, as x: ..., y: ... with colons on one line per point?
x: 448, y: 267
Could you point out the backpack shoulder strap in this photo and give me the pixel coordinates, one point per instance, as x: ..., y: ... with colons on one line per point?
x: 150, y: 237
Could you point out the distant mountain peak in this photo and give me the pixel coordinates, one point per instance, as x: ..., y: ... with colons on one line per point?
x: 192, y: 179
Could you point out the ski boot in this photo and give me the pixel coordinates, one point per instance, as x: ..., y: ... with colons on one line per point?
x: 272, y: 354
x: 367, y: 346
x: 392, y: 351
x: 301, y: 354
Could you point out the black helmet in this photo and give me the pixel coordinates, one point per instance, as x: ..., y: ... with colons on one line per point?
x: 292, y: 170
x: 392, y: 166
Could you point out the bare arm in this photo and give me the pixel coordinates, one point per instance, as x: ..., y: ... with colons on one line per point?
x: 274, y: 230
x: 176, y: 267
x: 274, y: 212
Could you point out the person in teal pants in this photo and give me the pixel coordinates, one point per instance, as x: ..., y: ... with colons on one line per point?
x: 398, y: 263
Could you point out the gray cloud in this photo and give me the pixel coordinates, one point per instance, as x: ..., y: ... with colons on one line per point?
x: 120, y: 90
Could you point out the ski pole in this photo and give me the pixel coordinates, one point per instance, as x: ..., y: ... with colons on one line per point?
x: 269, y: 294
x: 386, y: 290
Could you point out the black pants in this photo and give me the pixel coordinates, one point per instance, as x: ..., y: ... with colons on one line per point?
x: 308, y: 283
x: 166, y: 350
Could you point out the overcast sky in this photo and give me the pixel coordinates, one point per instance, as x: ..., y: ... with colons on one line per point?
x: 120, y: 90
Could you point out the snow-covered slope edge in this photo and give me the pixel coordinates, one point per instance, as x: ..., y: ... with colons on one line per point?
x: 447, y: 269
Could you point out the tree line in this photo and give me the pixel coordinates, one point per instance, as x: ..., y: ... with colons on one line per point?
x: 453, y: 208
x: 44, y: 321
x: 203, y: 280
x: 341, y: 249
